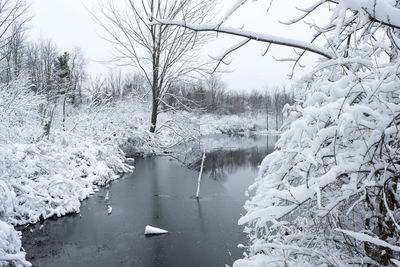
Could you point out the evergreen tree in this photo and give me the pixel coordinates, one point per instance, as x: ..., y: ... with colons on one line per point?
x: 62, y: 81
x: 62, y: 75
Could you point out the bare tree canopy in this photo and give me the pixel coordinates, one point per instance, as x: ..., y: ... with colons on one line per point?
x: 163, y: 54
x: 13, y: 19
x: 13, y: 13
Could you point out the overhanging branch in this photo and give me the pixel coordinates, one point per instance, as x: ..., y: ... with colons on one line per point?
x: 249, y: 35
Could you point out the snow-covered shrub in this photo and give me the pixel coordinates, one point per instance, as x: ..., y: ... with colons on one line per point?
x: 230, y: 124
x: 330, y: 193
x: 10, y: 246
x: 176, y: 127
x: 19, y: 113
x: 125, y: 123
x: 50, y: 178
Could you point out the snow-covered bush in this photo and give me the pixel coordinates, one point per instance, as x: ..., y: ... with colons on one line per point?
x: 330, y: 192
x: 230, y: 124
x: 19, y: 113
x: 176, y: 127
x: 50, y: 178
x: 126, y: 123
x: 123, y: 123
x: 10, y: 246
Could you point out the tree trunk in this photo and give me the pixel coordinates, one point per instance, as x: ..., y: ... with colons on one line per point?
x: 267, y: 117
x: 64, y: 104
x: 154, y: 114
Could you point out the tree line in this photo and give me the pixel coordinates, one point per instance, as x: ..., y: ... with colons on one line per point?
x: 209, y: 95
x: 212, y: 96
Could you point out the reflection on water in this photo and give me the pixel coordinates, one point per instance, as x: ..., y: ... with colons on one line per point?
x: 219, y: 164
x: 159, y: 193
x: 226, y: 154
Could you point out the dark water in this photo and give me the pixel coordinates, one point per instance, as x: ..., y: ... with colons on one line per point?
x: 159, y: 193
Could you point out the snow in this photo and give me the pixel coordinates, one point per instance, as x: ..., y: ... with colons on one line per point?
x: 230, y: 124
x: 10, y: 246
x: 234, y: 7
x: 50, y: 179
x: 256, y: 261
x: 396, y: 262
x: 382, y: 10
x: 150, y: 230
x: 367, y: 238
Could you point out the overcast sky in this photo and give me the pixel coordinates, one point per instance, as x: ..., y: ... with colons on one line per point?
x: 68, y: 24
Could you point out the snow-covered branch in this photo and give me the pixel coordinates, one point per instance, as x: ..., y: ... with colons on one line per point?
x: 381, y: 11
x: 260, y: 37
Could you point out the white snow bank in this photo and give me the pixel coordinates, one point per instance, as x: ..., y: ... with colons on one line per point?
x: 50, y: 178
x: 257, y: 261
x: 10, y: 246
x: 150, y: 230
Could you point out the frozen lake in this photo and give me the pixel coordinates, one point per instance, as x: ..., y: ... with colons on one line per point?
x: 159, y: 193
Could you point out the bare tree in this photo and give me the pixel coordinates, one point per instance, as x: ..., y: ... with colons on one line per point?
x: 40, y: 58
x: 13, y: 54
x: 13, y: 19
x: 135, y: 84
x: 163, y: 54
x: 78, y: 75
x: 115, y: 84
x: 215, y: 87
